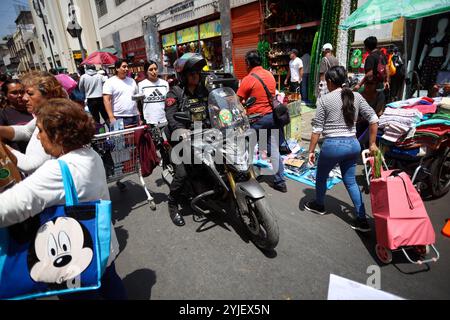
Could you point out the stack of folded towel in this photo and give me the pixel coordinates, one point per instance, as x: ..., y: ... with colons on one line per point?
x: 397, y: 122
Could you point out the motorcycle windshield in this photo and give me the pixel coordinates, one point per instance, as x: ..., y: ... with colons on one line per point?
x: 225, y: 110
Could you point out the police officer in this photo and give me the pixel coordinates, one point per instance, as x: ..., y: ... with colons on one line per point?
x: 188, y: 95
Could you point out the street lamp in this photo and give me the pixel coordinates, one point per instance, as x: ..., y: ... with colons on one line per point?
x: 74, y: 28
x: 38, y: 9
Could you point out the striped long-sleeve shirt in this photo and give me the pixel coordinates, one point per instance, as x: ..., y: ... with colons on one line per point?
x: 329, y: 119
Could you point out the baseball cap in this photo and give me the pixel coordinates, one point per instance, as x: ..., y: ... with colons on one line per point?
x: 327, y: 46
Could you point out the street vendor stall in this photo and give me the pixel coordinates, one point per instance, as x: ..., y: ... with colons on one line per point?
x: 375, y: 12
x: 414, y: 133
x: 415, y: 137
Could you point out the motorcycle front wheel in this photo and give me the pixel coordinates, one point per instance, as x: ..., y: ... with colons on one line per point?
x: 260, y: 223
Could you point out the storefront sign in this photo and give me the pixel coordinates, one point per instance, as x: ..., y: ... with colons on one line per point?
x: 187, y: 35
x: 181, y: 7
x: 77, y: 55
x: 210, y: 29
x: 168, y: 40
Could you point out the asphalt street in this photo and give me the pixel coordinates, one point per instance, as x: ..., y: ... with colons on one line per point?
x: 213, y: 259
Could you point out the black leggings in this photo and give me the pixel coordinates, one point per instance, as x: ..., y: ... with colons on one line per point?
x: 96, y: 107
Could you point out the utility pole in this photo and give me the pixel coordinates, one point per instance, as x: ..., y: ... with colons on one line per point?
x: 225, y: 23
x: 37, y: 7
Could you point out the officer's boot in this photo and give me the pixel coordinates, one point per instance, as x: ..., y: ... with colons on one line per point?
x: 174, y: 213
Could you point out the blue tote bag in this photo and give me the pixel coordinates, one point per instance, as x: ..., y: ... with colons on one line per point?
x: 64, y: 249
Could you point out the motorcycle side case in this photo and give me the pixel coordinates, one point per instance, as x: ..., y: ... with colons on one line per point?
x: 251, y: 189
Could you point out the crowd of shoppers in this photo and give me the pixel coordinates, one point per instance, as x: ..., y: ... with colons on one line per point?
x: 42, y: 125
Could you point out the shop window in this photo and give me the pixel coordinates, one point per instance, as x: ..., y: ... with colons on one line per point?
x: 288, y: 24
x: 169, y: 56
x: 51, y: 36
x: 211, y: 49
x: 101, y: 7
x: 33, y: 50
x: 188, y: 47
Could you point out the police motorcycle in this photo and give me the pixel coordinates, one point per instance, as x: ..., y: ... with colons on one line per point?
x: 222, y: 174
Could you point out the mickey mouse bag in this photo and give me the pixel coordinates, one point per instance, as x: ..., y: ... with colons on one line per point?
x: 64, y: 249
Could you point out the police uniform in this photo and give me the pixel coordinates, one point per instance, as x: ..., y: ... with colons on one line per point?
x: 178, y: 100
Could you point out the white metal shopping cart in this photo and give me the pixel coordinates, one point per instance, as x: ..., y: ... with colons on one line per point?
x: 118, y: 150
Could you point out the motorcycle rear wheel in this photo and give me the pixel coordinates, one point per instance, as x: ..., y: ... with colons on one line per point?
x: 261, y: 224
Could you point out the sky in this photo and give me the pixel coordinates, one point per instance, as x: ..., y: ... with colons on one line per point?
x: 8, y: 15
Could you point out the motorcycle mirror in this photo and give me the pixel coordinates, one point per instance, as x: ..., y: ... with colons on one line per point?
x: 182, y: 117
x: 250, y: 101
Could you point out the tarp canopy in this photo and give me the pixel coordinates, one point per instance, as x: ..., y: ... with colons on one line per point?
x: 375, y: 12
x: 109, y: 50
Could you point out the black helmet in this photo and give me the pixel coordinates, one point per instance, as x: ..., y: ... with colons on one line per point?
x: 188, y: 62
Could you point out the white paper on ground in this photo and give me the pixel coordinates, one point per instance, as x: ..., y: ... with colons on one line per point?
x: 345, y: 289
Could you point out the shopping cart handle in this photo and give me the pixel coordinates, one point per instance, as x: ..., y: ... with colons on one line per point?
x: 420, y: 262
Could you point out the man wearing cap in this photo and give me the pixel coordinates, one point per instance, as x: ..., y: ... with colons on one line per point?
x: 326, y: 63
x: 295, y: 73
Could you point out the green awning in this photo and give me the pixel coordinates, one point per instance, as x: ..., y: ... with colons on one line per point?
x: 109, y: 50
x: 375, y: 12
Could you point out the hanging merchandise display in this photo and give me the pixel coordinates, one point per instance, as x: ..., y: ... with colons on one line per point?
x: 203, y: 38
x: 327, y: 34
x: 211, y: 50
x: 356, y: 59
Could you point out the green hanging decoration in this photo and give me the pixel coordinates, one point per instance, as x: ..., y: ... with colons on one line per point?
x: 328, y: 33
x: 313, y: 66
x: 263, y: 50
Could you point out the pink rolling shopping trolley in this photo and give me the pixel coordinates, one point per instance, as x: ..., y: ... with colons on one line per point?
x: 401, y: 220
x: 118, y: 150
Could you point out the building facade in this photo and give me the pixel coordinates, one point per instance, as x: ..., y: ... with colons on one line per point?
x: 26, y: 43
x: 59, y: 48
x: 161, y: 30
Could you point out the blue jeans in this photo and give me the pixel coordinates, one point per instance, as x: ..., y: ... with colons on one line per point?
x: 304, y: 87
x: 267, y: 122
x: 112, y: 288
x: 345, y: 152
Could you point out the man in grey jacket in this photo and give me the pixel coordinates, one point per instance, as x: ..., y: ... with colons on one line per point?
x: 91, y: 83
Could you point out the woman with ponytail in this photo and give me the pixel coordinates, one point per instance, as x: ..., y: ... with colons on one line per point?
x: 335, y: 119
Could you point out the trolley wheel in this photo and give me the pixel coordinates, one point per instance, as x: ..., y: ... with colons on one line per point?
x: 422, y: 250
x: 152, y: 205
x: 122, y: 186
x: 384, y: 254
